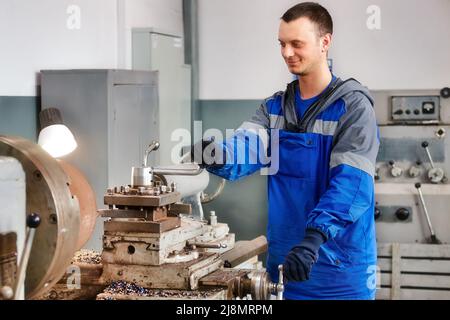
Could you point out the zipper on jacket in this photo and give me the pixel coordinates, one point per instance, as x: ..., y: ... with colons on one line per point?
x: 316, y: 107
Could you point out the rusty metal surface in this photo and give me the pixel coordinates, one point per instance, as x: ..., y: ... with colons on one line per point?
x: 260, y: 285
x: 177, y: 208
x: 240, y: 283
x: 157, y: 214
x: 121, y: 213
x: 86, y: 256
x: 244, y: 250
x: 159, y: 226
x: 118, y: 252
x: 148, y: 214
x: 48, y: 193
x: 81, y: 189
x: 62, y: 292
x: 150, y: 248
x: 182, y: 276
x: 84, y: 285
x: 142, y: 200
x: 235, y: 281
x: 90, y: 274
x: 8, y: 259
x: 8, y: 243
x: 222, y: 277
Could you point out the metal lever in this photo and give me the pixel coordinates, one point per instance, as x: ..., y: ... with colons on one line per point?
x: 433, y: 238
x: 208, y: 245
x: 280, y: 285
x: 33, y: 221
x: 153, y: 146
x: 425, y: 146
x: 435, y: 175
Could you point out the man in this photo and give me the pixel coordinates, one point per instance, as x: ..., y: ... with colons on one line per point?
x: 321, y: 201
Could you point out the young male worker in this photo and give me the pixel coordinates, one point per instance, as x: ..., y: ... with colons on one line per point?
x: 321, y: 200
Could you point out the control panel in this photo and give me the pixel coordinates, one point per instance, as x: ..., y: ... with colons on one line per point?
x: 415, y: 109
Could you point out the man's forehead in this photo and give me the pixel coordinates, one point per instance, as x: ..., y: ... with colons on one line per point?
x: 296, y: 29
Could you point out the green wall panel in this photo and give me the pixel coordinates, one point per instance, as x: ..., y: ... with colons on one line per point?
x: 243, y: 203
x: 19, y: 116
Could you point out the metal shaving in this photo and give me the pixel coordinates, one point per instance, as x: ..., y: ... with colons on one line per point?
x: 87, y: 256
x: 122, y: 287
x: 126, y: 288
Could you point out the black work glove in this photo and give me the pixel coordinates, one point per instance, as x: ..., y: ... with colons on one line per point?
x: 300, y: 259
x: 211, y: 158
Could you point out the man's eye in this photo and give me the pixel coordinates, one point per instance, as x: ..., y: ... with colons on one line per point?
x: 282, y: 45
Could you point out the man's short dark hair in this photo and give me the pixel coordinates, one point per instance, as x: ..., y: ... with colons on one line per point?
x: 314, y: 12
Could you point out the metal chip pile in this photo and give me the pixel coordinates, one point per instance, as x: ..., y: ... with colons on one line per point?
x: 87, y: 256
x: 122, y: 287
x: 125, y: 288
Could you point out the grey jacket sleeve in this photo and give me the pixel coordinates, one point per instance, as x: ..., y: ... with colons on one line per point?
x: 260, y: 120
x: 356, y: 140
x: 252, y: 139
x: 352, y: 164
x: 259, y: 123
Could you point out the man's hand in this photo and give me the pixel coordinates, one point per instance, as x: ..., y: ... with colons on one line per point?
x: 300, y: 259
x: 206, y: 154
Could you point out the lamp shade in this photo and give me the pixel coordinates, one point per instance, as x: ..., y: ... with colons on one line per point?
x: 55, y: 137
x: 57, y: 140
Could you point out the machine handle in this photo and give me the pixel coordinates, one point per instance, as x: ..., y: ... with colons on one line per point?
x: 427, y: 150
x: 207, y: 245
x: 436, y: 175
x: 153, y: 146
x: 33, y: 221
x: 280, y: 284
x: 434, y: 239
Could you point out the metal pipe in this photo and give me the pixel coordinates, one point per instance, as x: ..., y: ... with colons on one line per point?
x: 422, y: 201
x: 174, y: 171
x: 208, y: 198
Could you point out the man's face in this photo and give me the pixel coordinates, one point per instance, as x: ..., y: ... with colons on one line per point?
x: 302, y: 48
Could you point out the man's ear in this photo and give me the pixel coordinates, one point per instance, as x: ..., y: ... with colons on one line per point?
x: 326, y: 42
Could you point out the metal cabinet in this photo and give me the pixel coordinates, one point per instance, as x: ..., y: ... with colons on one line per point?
x: 155, y: 50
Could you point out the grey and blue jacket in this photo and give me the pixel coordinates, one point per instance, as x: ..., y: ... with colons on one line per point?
x: 320, y: 175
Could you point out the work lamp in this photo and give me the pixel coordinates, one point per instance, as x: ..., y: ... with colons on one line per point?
x: 55, y: 137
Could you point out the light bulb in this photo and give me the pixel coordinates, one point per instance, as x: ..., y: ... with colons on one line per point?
x: 57, y: 140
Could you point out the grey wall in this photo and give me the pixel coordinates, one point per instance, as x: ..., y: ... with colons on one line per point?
x: 243, y: 203
x: 18, y: 116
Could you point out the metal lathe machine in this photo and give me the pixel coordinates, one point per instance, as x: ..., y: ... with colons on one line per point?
x: 154, y: 245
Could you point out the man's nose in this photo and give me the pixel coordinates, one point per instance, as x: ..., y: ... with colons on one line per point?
x: 287, y: 52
